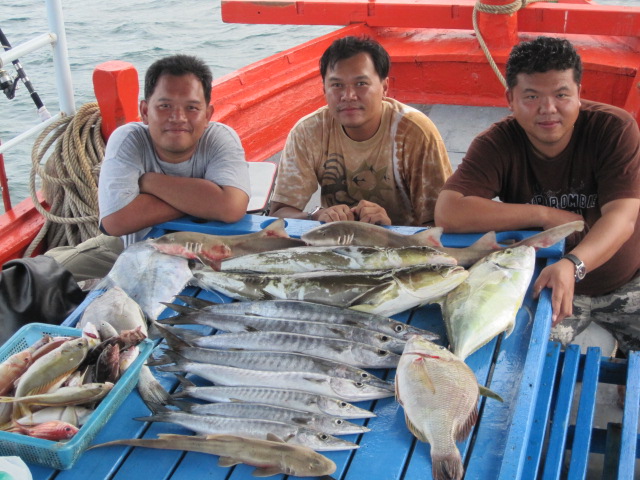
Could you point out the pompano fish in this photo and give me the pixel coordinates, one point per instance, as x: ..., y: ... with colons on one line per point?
x: 211, y: 249
x: 270, y: 457
x: 293, y: 309
x: 254, y: 428
x: 251, y: 323
x: 488, y: 243
x: 116, y: 308
x: 366, y: 235
x: 352, y: 353
x: 74, y: 415
x: 148, y: 277
x: 272, y: 361
x: 487, y: 302
x: 298, y: 399
x: 316, y: 421
x: 384, y: 292
x: 439, y: 394
x: 311, y: 259
x: 309, y: 382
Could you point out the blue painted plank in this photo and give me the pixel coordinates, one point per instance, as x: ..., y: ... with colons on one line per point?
x: 560, y: 421
x: 584, y: 419
x: 630, y: 437
x: 542, y: 412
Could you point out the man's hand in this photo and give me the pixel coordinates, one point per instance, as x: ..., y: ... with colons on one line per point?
x: 560, y: 277
x: 335, y: 213
x: 370, y: 212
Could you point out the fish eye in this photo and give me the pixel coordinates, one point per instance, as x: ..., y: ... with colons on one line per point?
x: 343, y: 404
x: 359, y: 385
x: 384, y: 338
x: 364, y: 375
x: 382, y: 353
x: 399, y: 328
x: 323, y: 436
x: 339, y: 421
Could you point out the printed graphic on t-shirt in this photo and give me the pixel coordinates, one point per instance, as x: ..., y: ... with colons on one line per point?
x: 343, y: 186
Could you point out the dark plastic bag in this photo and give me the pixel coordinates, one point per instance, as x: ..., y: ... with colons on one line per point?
x: 35, y: 289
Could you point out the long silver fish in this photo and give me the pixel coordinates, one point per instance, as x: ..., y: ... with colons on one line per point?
x: 367, y: 235
x: 291, y: 398
x: 384, y: 292
x: 211, y: 249
x: 254, y: 428
x: 352, y: 353
x: 313, y: 312
x: 316, y: 421
x: 439, y: 394
x: 311, y: 259
x: 272, y: 361
x: 309, y: 382
x: 487, y: 302
x: 250, y: 323
x: 270, y: 457
x: 148, y: 276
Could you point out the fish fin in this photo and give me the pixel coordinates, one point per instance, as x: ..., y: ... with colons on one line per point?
x: 228, y: 461
x: 266, y: 471
x: 414, y: 430
x: 486, y: 242
x: 300, y: 420
x: 314, y: 380
x: 489, y: 393
x: 275, y: 229
x: 429, y: 237
x: 447, y: 466
x: 179, y: 336
x: 551, y: 236
x: 195, y: 302
x: 274, y: 438
x: 179, y: 308
x: 155, y: 407
x: 465, y: 429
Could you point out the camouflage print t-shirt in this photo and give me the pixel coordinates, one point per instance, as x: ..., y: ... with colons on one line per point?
x: 402, y: 167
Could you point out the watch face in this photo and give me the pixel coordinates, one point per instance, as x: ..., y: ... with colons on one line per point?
x: 580, y: 272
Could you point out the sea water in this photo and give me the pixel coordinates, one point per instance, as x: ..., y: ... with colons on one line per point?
x: 135, y: 31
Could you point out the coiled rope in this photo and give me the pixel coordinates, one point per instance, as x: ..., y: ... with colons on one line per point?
x: 69, y: 178
x: 508, y: 9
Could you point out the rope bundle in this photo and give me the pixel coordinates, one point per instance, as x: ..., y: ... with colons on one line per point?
x: 69, y: 178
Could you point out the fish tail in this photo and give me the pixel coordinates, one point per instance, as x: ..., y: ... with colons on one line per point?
x: 447, y: 467
x: 276, y: 229
x: 429, y: 237
x: 195, y: 302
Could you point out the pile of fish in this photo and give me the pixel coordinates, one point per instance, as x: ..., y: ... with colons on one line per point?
x: 287, y: 368
x: 49, y: 389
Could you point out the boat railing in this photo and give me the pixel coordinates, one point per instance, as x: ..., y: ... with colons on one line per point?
x: 57, y: 39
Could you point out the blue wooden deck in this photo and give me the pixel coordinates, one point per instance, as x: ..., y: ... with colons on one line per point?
x: 533, y: 377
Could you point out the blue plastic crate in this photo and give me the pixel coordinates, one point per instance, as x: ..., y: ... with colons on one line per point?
x: 62, y: 455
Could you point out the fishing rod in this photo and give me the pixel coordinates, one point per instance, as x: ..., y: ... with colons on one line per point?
x: 9, y: 85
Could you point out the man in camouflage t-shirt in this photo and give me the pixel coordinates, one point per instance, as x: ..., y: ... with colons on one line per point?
x: 375, y: 159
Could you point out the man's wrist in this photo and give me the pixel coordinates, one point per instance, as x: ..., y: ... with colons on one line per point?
x: 312, y: 214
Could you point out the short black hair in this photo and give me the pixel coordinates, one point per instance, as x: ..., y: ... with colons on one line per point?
x: 178, y: 65
x: 540, y: 56
x: 347, y: 47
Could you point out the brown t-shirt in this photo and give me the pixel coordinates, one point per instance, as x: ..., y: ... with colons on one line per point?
x: 401, y: 168
x: 600, y: 164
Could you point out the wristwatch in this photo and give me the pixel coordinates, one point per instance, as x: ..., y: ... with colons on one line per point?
x: 581, y: 270
x: 313, y: 212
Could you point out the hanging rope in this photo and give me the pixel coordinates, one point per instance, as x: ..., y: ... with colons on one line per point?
x: 69, y: 178
x: 508, y: 9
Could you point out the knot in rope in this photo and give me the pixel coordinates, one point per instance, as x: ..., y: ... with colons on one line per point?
x: 69, y: 178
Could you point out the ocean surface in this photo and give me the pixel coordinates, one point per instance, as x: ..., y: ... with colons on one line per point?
x: 136, y: 31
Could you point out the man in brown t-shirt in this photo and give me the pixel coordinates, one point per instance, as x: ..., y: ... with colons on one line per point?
x: 375, y: 159
x: 557, y: 159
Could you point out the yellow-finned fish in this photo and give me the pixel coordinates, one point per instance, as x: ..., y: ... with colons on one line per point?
x: 439, y: 394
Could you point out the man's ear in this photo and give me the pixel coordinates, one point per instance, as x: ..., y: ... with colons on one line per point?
x: 385, y: 86
x: 209, y: 112
x: 509, y: 96
x: 144, y: 110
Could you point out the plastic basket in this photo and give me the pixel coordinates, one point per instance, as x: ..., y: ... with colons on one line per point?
x: 62, y: 455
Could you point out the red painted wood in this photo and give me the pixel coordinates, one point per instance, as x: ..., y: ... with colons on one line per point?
x: 115, y: 84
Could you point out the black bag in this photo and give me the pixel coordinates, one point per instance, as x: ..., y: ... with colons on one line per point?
x: 35, y: 289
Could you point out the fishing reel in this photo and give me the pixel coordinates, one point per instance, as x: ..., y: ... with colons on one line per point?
x: 8, y: 85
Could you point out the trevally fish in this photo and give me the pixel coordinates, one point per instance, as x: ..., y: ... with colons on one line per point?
x: 311, y: 259
x: 271, y: 360
x: 270, y: 457
x: 148, y: 276
x: 116, y: 308
x: 314, y: 312
x: 384, y: 292
x: 439, y: 394
x: 254, y: 428
x: 487, y: 302
x: 316, y: 421
x: 250, y: 323
x: 211, y: 249
x: 291, y: 398
x: 321, y: 384
x: 352, y: 353
x: 366, y: 235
